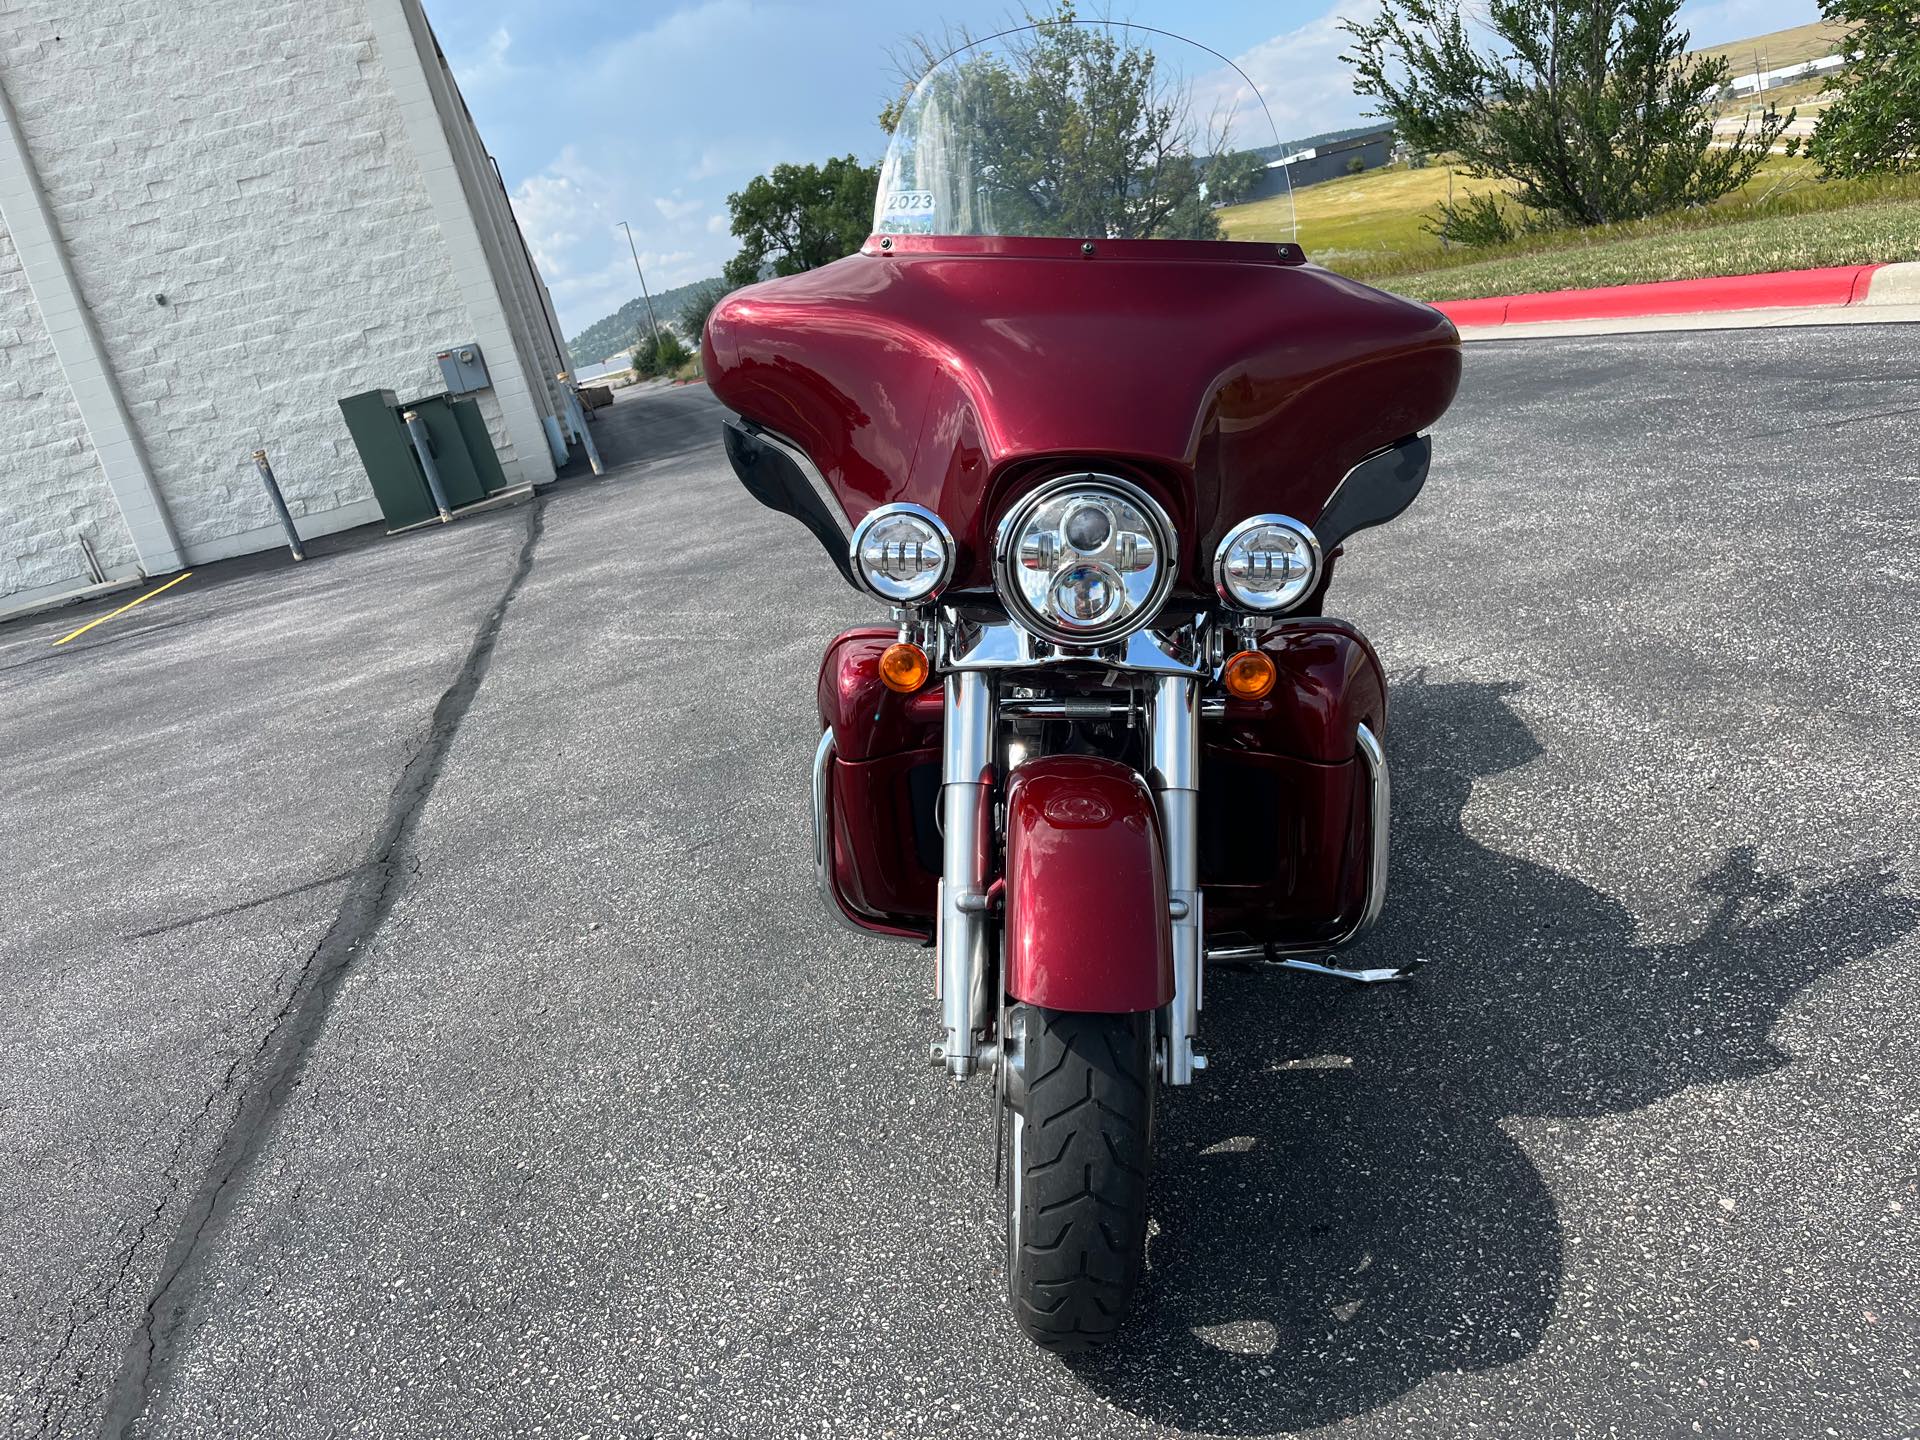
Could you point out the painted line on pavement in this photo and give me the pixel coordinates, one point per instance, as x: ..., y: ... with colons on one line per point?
x: 124, y: 608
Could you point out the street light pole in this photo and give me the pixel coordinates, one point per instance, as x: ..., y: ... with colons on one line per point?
x: 652, y: 323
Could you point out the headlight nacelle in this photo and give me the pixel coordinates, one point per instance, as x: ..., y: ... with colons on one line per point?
x: 1267, y: 565
x: 902, y: 554
x: 1085, y: 559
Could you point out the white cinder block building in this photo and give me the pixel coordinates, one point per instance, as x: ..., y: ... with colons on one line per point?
x: 217, y: 219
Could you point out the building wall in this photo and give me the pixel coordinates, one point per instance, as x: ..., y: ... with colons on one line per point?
x: 249, y: 161
x: 1329, y: 162
x: 50, y: 481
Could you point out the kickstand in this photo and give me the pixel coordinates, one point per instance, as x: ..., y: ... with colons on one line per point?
x: 1378, y: 975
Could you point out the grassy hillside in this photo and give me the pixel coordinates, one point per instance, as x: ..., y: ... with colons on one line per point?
x: 614, y: 333
x: 1369, y: 226
x: 1866, y: 234
x: 1357, y: 223
x: 1373, y: 226
x: 1781, y: 47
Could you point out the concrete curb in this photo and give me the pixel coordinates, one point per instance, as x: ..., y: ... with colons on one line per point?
x: 1839, y: 286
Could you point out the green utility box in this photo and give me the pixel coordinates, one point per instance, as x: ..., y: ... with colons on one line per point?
x: 462, y: 451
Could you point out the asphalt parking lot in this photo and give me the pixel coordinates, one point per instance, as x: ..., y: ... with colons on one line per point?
x: 417, y: 1017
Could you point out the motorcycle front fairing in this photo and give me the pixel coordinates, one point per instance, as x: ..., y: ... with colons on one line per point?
x: 957, y: 373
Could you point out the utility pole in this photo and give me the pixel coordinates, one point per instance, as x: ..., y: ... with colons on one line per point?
x: 652, y: 323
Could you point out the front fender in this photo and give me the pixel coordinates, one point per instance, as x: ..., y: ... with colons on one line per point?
x: 1087, y: 927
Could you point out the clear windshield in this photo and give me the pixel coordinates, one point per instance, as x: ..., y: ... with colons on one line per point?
x: 1095, y: 130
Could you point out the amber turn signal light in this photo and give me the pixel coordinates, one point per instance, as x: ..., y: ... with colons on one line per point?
x: 1250, y: 675
x: 904, y: 668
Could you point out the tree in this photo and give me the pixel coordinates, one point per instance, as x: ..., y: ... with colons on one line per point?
x: 799, y: 217
x: 1591, y: 108
x: 1357, y: 165
x: 659, y: 352
x: 1875, y: 124
x: 699, y: 305
x: 1231, y: 178
x: 1071, y: 129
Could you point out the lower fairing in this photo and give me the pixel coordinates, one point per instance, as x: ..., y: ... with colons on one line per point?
x: 1287, y: 805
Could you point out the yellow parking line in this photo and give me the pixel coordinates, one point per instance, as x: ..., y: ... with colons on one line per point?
x: 124, y: 608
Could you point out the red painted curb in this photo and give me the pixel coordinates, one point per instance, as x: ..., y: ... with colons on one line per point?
x: 1839, y: 285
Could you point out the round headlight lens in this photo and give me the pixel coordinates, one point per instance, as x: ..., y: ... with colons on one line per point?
x: 1086, y: 559
x: 1267, y: 564
x: 902, y: 554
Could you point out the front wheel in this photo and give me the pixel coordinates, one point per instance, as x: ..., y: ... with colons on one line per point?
x: 1079, y: 1152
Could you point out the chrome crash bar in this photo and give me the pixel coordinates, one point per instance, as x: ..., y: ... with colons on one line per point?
x: 1379, y: 817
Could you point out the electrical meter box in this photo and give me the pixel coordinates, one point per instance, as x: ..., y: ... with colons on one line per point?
x: 464, y: 369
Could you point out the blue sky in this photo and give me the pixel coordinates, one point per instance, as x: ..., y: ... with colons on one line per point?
x: 653, y: 112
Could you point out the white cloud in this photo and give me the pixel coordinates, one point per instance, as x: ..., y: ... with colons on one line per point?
x: 490, y: 66
x: 559, y: 208
x: 674, y: 208
x: 719, y: 223
x: 1306, y: 86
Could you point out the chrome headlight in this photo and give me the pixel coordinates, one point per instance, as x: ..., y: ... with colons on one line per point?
x: 1086, y: 559
x: 902, y: 554
x: 1267, y: 564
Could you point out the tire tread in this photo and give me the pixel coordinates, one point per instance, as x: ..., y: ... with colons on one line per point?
x: 1090, y: 1115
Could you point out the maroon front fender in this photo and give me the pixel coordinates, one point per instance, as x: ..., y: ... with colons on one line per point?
x: 1086, y: 920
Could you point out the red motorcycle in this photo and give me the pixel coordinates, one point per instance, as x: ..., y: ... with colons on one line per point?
x: 1099, y: 465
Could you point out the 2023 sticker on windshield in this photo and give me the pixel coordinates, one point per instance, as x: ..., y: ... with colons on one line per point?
x: 907, y: 212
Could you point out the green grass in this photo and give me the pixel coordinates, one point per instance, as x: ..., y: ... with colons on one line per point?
x: 1620, y: 255
x: 1373, y: 226
x: 1370, y: 226
x: 1357, y: 222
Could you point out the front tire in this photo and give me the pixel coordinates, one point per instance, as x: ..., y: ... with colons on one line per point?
x: 1079, y: 1154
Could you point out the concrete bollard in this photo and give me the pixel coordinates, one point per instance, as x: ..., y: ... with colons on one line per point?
x: 423, y: 447
x: 279, y: 503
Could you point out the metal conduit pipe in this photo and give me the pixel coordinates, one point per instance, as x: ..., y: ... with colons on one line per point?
x: 423, y: 447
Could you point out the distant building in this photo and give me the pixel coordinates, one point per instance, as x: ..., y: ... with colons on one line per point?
x: 1760, y: 81
x: 1327, y: 160
x: 216, y: 220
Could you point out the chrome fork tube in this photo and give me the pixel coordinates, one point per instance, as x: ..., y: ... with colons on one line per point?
x: 963, y: 931
x: 1173, y: 732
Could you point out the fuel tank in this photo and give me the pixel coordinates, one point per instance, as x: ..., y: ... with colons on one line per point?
x: 1229, y: 379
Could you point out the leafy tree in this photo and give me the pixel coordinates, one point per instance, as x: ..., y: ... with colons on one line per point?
x: 1073, y: 129
x: 1357, y: 165
x: 1230, y: 178
x: 693, y: 314
x: 1875, y: 124
x: 1592, y: 108
x: 659, y: 352
x: 799, y: 217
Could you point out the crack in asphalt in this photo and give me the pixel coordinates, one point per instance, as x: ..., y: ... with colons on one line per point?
x: 257, y: 1085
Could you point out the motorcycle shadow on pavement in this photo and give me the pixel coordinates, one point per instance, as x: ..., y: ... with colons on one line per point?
x: 1340, y: 1214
